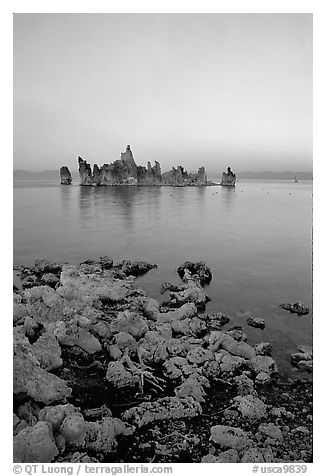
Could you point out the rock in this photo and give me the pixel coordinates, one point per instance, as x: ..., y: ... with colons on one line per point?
x: 106, y: 262
x: 271, y: 430
x: 263, y: 378
x: 134, y: 268
x: 65, y: 175
x: 253, y: 455
x: 241, y: 349
x: 47, y: 351
x: 228, y: 178
x: 188, y: 310
x: 256, y: 322
x: 120, y: 376
x: 101, y: 436
x: 305, y: 365
x: 216, y: 320
x: 193, y: 292
x: 245, y: 385
x: 32, y: 380
x: 130, y: 322
x: 199, y: 355
x: 229, y: 437
x: 165, y: 408
x: 251, y: 407
x: 191, y: 387
x: 151, y: 309
x: 50, y: 279
x: 228, y: 363
x: 73, y: 428
x: 303, y: 359
x: 237, y: 334
x: 188, y: 327
x: 45, y: 266
x: 35, y: 444
x: 262, y: 363
x: 296, y: 307
x: 197, y: 270
x: 55, y: 414
x: 263, y: 348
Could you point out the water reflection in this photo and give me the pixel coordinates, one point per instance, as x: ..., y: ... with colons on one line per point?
x: 228, y: 196
x: 66, y: 197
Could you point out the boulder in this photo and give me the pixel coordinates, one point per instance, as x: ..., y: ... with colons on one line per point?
x: 166, y: 408
x: 101, y: 437
x: 196, y: 270
x: 263, y: 348
x: 47, y: 351
x: 35, y: 444
x: 130, y: 322
x: 253, y: 321
x: 65, y: 175
x: 295, y: 307
x: 271, y: 430
x: 251, y: 407
x: 230, y: 437
x: 120, y: 376
x: 264, y: 363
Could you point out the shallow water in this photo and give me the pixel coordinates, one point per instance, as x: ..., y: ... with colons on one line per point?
x: 256, y: 239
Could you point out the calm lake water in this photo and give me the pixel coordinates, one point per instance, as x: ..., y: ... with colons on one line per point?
x: 256, y: 238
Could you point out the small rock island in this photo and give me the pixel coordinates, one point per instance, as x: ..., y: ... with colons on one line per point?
x: 65, y: 175
x: 125, y: 171
x: 228, y: 178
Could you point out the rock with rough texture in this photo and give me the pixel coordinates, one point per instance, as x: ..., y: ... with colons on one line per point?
x: 193, y: 292
x: 134, y: 268
x: 65, y: 175
x: 251, y: 407
x: 120, y: 376
x: 271, y: 430
x: 30, y: 379
x: 258, y: 455
x: 130, y: 322
x: 263, y: 378
x: 264, y: 363
x: 101, y: 436
x: 230, y: 437
x: 228, y: 178
x: 253, y: 321
x: 125, y: 171
x: 35, y: 444
x: 166, y: 408
x: 47, y: 351
x: 303, y: 358
x: 196, y: 270
x: 295, y: 307
x: 263, y: 348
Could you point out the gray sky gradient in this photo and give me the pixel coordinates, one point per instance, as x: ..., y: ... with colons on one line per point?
x: 189, y: 89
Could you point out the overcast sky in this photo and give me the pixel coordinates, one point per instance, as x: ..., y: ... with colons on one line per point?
x: 189, y: 89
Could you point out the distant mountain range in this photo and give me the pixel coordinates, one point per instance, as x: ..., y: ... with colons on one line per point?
x: 266, y: 175
x: 285, y: 175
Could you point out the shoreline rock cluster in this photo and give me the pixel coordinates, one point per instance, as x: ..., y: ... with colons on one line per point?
x: 104, y: 373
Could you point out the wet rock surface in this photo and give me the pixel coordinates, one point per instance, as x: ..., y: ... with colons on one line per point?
x: 104, y: 373
x: 295, y: 307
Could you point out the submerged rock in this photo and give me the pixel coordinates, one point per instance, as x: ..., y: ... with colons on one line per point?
x: 256, y: 322
x: 296, y: 307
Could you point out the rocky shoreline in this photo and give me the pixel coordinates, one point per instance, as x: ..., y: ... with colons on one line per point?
x: 104, y: 373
